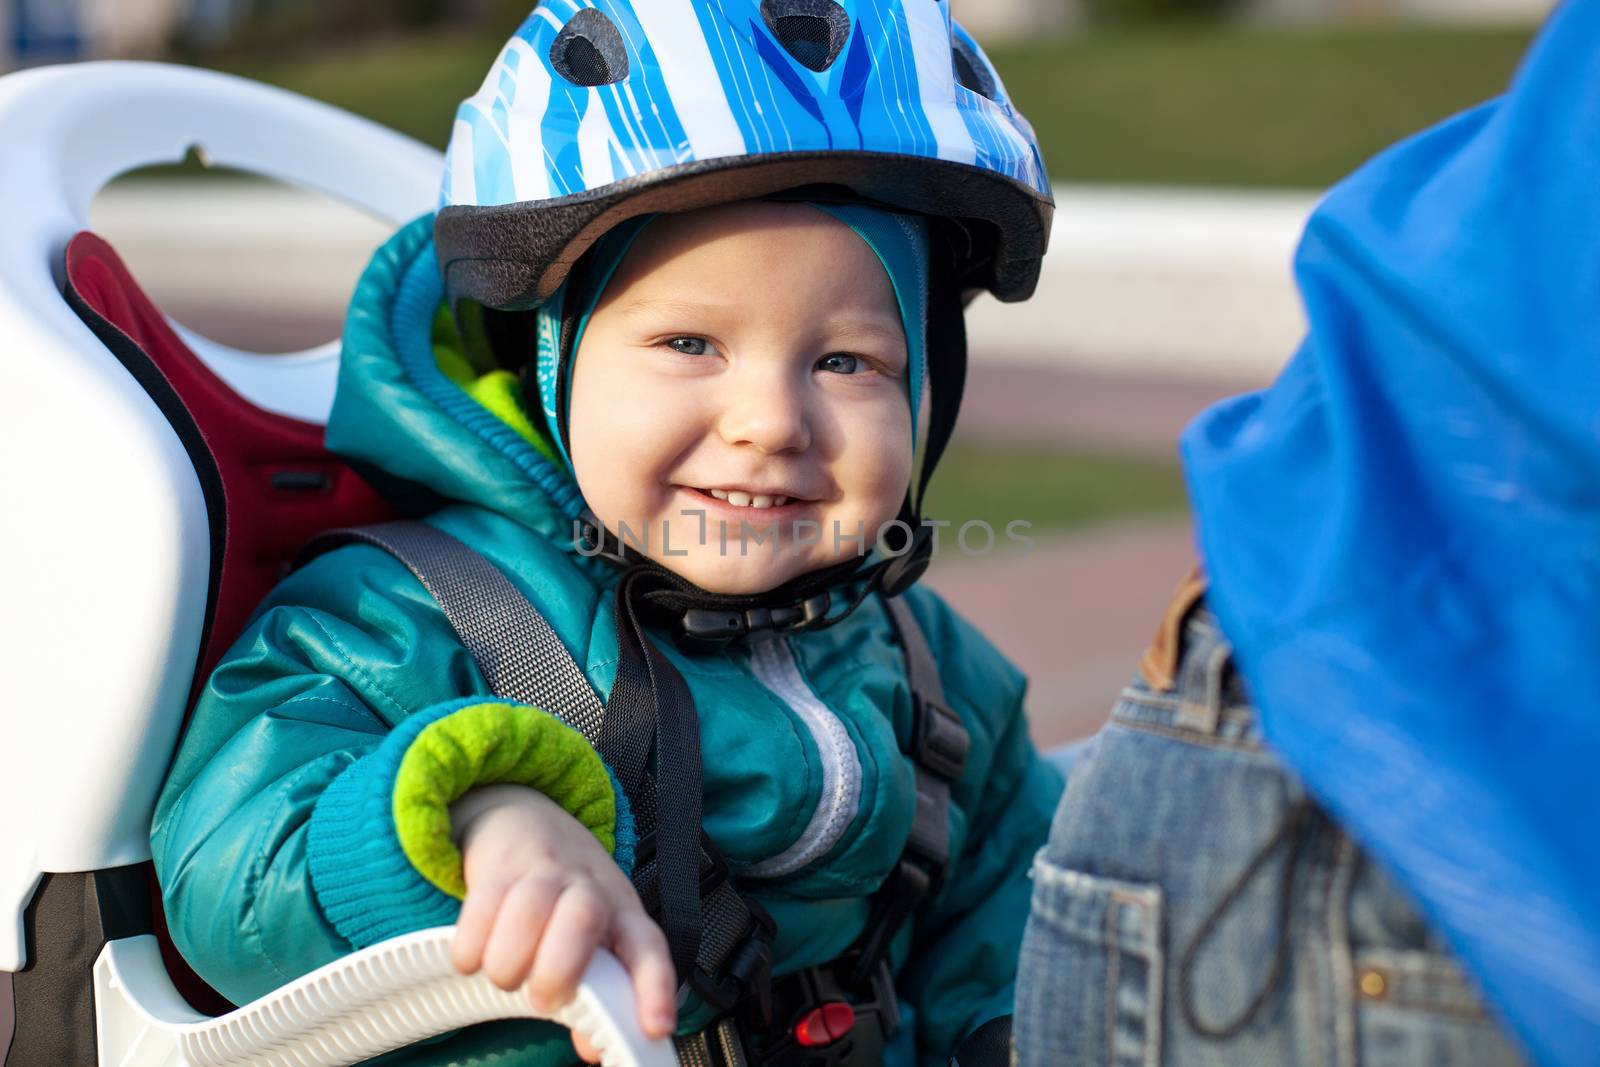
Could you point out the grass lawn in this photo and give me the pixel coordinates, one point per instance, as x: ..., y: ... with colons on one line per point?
x: 409, y: 83
x: 1056, y: 489
x: 1247, y: 106
x: 1224, y: 106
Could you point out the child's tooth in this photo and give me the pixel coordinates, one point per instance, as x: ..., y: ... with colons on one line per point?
x: 720, y: 494
x: 761, y: 501
x: 738, y: 499
x: 779, y: 501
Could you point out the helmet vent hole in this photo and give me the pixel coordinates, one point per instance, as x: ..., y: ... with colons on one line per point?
x: 971, y: 71
x: 589, y: 50
x: 814, y: 32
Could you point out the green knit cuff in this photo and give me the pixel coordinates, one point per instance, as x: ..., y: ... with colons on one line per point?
x: 491, y: 744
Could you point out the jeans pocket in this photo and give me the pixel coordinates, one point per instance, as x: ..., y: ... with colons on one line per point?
x: 1090, y: 978
x: 1418, y: 1009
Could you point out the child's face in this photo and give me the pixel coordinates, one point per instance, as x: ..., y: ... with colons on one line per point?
x: 741, y: 355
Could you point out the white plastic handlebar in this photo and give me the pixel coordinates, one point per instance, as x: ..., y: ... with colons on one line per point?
x: 381, y: 998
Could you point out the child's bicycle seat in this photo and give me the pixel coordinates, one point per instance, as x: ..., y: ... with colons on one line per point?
x: 159, y: 484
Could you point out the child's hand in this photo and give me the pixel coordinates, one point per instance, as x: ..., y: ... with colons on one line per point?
x: 542, y: 894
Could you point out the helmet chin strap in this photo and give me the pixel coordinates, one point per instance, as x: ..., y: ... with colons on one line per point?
x: 704, y: 620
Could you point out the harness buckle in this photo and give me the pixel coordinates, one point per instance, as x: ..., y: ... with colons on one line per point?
x: 822, y: 1017
x: 915, y: 878
x: 712, y: 628
x: 939, y: 740
x: 747, y: 971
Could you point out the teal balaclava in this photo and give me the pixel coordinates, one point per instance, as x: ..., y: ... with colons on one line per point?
x: 900, y: 242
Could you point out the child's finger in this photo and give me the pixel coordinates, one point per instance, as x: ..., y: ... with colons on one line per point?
x: 523, y: 917
x: 579, y: 923
x: 474, y: 923
x: 642, y: 948
x: 586, y: 1052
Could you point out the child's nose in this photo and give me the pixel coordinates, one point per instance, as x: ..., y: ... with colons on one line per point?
x: 769, y: 417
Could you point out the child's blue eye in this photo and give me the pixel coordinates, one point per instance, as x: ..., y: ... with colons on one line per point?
x: 689, y: 346
x: 839, y: 362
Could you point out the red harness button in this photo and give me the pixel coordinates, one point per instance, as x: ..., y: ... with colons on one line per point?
x: 825, y: 1025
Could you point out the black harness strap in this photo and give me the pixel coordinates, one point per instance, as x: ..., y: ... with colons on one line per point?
x: 651, y: 706
x: 939, y: 744
x: 719, y: 1045
x: 520, y: 656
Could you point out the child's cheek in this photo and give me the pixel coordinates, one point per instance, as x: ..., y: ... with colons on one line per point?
x: 626, y: 434
x: 883, y: 441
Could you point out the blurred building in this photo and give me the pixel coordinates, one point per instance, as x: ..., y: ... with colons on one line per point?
x: 52, y: 31
x: 1006, y: 20
x: 39, y: 31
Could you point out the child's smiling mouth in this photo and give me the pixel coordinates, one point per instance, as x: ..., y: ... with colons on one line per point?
x: 746, y: 500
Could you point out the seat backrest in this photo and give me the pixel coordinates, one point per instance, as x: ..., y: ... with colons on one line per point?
x: 117, y: 555
x: 268, y: 483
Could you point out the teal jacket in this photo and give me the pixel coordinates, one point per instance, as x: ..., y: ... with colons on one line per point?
x: 290, y: 829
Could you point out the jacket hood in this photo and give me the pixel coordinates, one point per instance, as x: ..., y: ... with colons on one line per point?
x: 396, y: 408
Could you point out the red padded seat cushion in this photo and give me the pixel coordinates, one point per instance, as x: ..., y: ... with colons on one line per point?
x: 270, y: 484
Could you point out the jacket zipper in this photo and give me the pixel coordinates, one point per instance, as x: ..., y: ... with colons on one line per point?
x: 773, y: 663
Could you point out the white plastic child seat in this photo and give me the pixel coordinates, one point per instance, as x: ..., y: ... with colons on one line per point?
x: 106, y: 534
x: 106, y: 539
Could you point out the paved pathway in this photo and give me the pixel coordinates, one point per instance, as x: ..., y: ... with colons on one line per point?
x: 1013, y: 401
x: 1074, y: 615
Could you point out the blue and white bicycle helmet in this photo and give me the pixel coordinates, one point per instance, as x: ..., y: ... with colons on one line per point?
x: 601, y: 110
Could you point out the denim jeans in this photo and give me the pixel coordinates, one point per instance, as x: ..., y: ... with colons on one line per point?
x: 1193, y: 909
